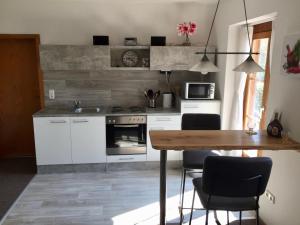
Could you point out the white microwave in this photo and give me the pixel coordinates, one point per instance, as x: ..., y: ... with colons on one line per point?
x: 198, y: 90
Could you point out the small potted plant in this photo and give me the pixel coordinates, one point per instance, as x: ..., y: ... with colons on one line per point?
x: 187, y: 30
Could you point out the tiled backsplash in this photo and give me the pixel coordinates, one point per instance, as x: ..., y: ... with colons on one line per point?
x: 108, y: 88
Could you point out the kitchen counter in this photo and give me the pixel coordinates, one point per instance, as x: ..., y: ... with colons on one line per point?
x: 66, y: 112
x: 61, y: 112
x: 162, y: 111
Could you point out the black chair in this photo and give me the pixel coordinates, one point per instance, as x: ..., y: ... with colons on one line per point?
x: 193, y: 160
x: 232, y: 184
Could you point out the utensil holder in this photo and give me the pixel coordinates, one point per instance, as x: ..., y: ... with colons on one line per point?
x: 152, y: 103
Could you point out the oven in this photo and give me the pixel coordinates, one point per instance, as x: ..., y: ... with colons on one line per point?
x: 126, y: 135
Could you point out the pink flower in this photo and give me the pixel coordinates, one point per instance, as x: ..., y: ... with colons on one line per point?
x: 192, y: 30
x: 193, y: 25
x: 186, y: 28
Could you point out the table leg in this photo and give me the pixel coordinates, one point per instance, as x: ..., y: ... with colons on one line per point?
x: 163, y: 185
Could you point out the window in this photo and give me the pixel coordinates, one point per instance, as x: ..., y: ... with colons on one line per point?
x: 257, y: 85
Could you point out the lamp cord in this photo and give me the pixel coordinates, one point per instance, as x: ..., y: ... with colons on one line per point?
x: 246, y: 17
x: 211, y: 26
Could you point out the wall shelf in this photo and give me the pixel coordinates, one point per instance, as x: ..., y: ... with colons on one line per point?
x: 130, y: 47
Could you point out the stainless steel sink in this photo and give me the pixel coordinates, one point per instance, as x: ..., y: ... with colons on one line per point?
x: 87, y: 110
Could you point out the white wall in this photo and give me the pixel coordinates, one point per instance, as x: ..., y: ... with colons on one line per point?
x: 284, y: 96
x: 76, y: 21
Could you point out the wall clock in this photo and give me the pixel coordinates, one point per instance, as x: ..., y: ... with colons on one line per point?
x: 130, y: 58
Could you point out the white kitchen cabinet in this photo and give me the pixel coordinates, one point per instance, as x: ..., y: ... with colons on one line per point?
x: 88, y: 139
x: 176, y: 57
x: 170, y: 122
x: 200, y: 106
x: 52, y: 140
x: 74, y: 57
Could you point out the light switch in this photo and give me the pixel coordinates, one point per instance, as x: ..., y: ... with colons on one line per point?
x: 51, y: 94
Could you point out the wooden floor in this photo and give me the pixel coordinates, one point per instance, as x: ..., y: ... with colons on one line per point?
x: 112, y: 198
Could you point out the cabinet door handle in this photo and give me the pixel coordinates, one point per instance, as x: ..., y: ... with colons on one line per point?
x: 80, y: 121
x: 191, y: 107
x: 163, y: 119
x: 126, y: 126
x: 126, y: 158
x: 58, y: 121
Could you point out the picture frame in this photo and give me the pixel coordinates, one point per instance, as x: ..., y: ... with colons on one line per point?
x: 290, y: 59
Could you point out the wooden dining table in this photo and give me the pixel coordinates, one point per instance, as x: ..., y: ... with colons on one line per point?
x: 192, y: 140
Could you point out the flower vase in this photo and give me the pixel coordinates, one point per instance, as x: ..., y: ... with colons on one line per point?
x: 187, y: 41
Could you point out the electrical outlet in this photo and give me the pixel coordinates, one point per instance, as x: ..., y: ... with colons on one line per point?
x: 270, y: 196
x: 51, y: 94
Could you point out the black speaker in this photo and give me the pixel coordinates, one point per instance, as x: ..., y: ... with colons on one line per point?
x: 100, y: 40
x: 158, y: 40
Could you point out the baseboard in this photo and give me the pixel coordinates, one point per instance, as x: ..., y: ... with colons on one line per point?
x: 104, y: 167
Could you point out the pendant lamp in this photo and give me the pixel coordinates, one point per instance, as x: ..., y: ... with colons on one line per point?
x: 248, y: 66
x: 205, y: 66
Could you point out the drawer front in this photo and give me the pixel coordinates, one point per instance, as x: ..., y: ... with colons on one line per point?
x: 213, y: 107
x: 126, y: 158
x: 164, y: 122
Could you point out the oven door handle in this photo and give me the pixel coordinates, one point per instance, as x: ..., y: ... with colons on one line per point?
x: 125, y: 126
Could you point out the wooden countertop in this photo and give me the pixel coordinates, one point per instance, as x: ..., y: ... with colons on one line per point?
x: 218, y: 140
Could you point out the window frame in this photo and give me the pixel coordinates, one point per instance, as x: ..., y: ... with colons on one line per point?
x: 260, y: 31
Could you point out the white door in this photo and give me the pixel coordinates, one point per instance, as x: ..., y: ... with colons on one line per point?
x: 52, y: 140
x: 88, y: 139
x: 162, y: 123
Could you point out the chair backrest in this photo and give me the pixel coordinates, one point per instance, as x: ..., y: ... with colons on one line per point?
x: 201, y: 122
x: 236, y: 176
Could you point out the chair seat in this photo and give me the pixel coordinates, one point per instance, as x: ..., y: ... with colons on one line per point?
x: 195, y: 159
x: 223, y: 203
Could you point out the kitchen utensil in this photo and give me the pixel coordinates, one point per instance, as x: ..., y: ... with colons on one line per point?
x: 145, y: 93
x: 156, y: 95
x: 150, y: 93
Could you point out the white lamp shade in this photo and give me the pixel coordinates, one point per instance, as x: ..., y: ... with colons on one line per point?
x: 205, y: 66
x: 249, y: 66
